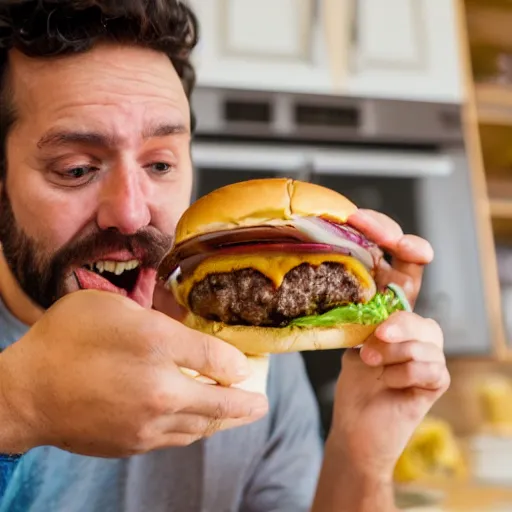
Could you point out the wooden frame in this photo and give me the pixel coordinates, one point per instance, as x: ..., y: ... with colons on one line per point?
x: 482, y: 203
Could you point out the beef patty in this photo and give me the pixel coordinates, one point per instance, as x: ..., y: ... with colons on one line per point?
x: 247, y: 297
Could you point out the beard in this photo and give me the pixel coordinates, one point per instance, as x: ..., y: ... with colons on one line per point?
x: 42, y: 274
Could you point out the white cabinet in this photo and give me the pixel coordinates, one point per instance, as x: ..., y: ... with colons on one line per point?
x: 404, y: 49
x: 261, y: 44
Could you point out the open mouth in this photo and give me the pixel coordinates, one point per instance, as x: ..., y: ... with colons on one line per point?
x: 121, y: 274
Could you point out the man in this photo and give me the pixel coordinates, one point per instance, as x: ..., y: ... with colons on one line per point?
x: 95, y: 135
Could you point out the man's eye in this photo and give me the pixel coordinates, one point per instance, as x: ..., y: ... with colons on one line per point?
x: 78, y: 172
x: 74, y: 176
x: 160, y: 167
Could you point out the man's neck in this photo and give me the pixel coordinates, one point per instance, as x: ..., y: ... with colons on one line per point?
x: 14, y: 298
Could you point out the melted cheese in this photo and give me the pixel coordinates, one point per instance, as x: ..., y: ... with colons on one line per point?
x: 273, y: 265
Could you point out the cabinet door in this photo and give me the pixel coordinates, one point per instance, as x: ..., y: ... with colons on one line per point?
x: 262, y: 44
x: 406, y: 49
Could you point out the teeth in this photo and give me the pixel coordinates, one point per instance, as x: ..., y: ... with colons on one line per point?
x: 115, y: 267
x: 110, y: 266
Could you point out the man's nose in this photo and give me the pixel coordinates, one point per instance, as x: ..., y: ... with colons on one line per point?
x: 123, y: 202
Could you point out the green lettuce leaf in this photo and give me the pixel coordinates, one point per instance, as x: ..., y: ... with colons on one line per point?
x: 373, y: 312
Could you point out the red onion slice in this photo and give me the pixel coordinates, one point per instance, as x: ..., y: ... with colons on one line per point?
x: 326, y: 232
x: 218, y: 240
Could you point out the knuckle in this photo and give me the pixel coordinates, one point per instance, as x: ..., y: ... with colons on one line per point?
x: 139, y: 439
x: 432, y: 323
x: 412, y: 351
x: 212, y: 426
x: 223, y: 409
x: 435, y: 374
x: 444, y: 379
x: 160, y: 401
x: 436, y: 331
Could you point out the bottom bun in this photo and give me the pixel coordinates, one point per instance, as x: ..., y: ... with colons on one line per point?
x: 272, y: 340
x: 256, y: 383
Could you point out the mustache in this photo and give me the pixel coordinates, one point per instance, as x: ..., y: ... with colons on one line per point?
x: 148, y: 245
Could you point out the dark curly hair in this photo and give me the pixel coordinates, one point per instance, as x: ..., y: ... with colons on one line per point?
x: 48, y: 28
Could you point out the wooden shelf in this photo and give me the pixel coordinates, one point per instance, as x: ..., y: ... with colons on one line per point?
x: 501, y: 208
x: 494, y: 104
x: 489, y: 24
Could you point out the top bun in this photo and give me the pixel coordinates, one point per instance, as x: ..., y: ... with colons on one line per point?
x: 260, y: 202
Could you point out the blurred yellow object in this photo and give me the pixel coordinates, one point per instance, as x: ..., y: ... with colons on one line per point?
x: 432, y: 451
x: 496, y: 397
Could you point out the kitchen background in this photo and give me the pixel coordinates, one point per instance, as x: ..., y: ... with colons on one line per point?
x: 405, y: 106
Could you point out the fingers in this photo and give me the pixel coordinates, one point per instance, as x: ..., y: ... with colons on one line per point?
x: 421, y: 375
x: 378, y: 227
x: 414, y: 250
x: 377, y: 353
x: 209, y: 356
x: 409, y: 253
x: 410, y: 283
x: 200, y: 426
x: 387, y: 233
x: 223, y: 403
x: 185, y: 429
x: 409, y: 349
x: 404, y: 326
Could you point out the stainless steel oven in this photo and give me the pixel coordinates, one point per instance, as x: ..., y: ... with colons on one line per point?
x: 405, y: 159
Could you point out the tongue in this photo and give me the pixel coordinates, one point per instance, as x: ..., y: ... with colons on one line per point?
x: 92, y: 281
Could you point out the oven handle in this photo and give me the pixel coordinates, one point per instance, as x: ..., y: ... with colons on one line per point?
x: 294, y: 159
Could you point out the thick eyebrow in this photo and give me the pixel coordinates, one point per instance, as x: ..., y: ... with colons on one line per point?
x: 65, y: 137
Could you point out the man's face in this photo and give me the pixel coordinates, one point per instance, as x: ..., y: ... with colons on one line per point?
x: 98, y: 172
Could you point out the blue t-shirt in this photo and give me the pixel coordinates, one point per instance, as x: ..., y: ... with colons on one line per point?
x: 269, y: 466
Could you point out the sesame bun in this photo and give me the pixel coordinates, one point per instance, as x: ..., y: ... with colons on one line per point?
x: 265, y: 201
x: 274, y: 340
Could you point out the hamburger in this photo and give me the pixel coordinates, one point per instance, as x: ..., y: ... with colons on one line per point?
x: 271, y: 266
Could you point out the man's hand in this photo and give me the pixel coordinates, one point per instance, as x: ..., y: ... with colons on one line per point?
x: 98, y: 375
x: 386, y: 389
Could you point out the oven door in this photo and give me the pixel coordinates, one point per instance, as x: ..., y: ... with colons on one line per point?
x: 221, y: 163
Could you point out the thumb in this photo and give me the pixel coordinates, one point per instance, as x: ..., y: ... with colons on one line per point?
x: 165, y: 302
